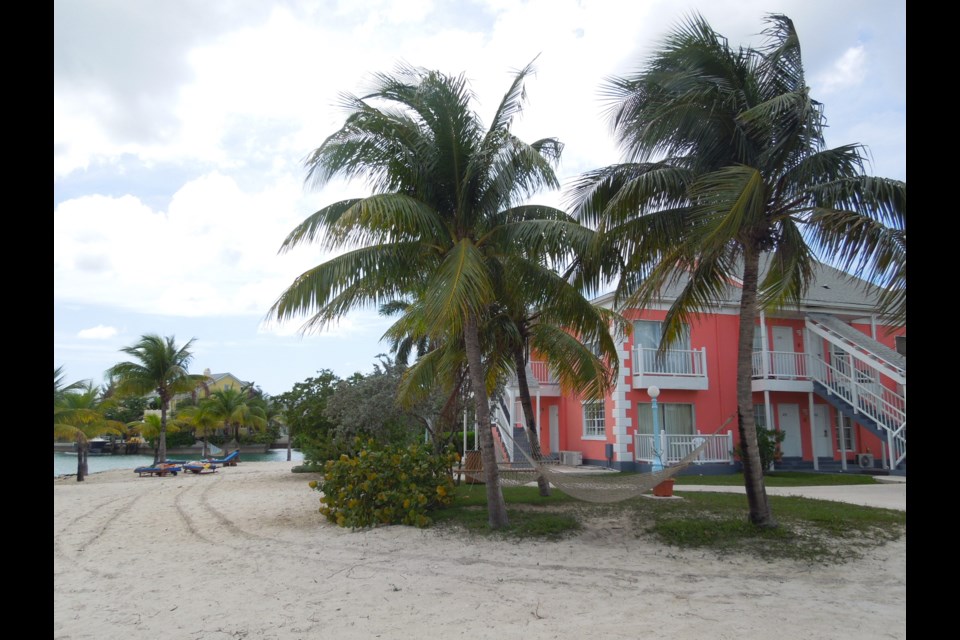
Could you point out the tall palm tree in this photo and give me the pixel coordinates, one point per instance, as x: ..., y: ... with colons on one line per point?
x: 237, y: 408
x: 159, y: 366
x: 726, y: 163
x: 444, y: 214
x: 79, y: 415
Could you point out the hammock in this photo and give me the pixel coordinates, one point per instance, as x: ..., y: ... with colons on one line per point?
x: 593, y: 486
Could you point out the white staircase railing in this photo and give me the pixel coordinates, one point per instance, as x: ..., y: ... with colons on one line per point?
x: 869, y: 377
x: 676, y: 447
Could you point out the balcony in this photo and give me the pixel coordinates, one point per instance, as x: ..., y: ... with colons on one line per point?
x: 674, y: 369
x: 676, y: 447
x: 780, y: 371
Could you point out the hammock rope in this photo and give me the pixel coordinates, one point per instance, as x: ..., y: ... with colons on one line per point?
x: 594, y: 486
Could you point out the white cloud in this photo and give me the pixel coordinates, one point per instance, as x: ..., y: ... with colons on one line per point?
x: 99, y: 332
x: 846, y: 72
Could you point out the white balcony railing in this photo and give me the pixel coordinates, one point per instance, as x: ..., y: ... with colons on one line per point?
x: 542, y: 372
x: 673, y: 362
x: 784, y: 365
x: 676, y: 447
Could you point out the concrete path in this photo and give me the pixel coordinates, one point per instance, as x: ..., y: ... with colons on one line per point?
x: 891, y: 493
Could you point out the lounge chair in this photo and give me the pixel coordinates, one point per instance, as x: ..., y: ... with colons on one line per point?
x: 200, y: 467
x: 227, y: 461
x: 161, y: 469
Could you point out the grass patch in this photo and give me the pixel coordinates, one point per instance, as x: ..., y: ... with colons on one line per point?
x: 780, y: 479
x: 811, y: 531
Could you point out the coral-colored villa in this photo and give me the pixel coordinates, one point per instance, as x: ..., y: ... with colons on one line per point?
x: 827, y: 374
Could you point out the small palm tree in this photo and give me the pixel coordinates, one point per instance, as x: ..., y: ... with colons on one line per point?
x: 150, y: 429
x: 159, y: 366
x: 79, y: 416
x: 235, y: 408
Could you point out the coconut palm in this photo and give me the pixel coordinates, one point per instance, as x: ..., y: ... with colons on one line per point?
x: 236, y: 408
x: 726, y: 163
x: 159, y: 366
x: 444, y: 215
x: 78, y: 415
x: 149, y: 428
x: 202, y: 419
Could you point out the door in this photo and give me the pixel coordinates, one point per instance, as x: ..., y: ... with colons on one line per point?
x: 821, y: 431
x: 788, y: 417
x: 784, y: 359
x: 554, y: 419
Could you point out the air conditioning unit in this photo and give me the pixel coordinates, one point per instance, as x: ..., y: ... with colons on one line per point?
x: 865, y: 460
x: 571, y: 458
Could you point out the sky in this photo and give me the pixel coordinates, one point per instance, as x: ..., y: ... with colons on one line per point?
x: 180, y: 130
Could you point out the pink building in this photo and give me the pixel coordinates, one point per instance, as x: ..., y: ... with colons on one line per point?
x: 826, y: 374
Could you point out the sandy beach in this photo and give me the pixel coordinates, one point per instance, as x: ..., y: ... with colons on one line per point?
x: 244, y: 553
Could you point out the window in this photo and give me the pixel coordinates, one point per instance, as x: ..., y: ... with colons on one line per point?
x: 847, y: 434
x: 647, y: 335
x: 594, y: 419
x: 675, y: 418
x: 760, y: 415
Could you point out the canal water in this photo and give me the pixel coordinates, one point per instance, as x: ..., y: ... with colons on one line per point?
x: 66, y: 463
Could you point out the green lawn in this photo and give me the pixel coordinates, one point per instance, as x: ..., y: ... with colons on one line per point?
x: 811, y: 531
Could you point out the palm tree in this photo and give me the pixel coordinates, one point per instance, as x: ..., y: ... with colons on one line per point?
x: 160, y: 366
x: 150, y: 428
x: 236, y: 408
x: 79, y: 415
x: 202, y: 419
x: 726, y: 162
x: 444, y: 215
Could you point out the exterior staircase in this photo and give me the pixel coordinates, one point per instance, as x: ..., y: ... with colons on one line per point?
x: 865, y: 380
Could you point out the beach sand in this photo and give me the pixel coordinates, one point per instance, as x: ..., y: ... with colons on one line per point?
x: 244, y: 553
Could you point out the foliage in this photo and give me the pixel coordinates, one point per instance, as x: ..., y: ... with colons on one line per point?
x: 304, y: 413
x: 79, y: 415
x: 158, y: 366
x: 180, y: 439
x: 126, y: 410
x: 447, y: 218
x: 386, y: 484
x: 366, y: 406
x: 768, y: 443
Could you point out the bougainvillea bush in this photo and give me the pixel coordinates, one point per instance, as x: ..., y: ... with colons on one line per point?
x: 386, y: 484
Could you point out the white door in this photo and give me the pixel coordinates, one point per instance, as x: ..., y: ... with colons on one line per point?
x: 821, y: 431
x: 784, y: 360
x: 788, y: 419
x: 554, y: 418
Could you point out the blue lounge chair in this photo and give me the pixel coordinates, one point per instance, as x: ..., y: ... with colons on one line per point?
x: 227, y: 461
x: 200, y: 467
x: 161, y: 469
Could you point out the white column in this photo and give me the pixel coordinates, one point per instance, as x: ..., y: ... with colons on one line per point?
x: 763, y: 344
x: 621, y: 405
x: 813, y: 434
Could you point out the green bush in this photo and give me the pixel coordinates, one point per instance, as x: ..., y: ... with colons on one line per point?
x: 768, y: 442
x: 180, y: 439
x: 386, y: 484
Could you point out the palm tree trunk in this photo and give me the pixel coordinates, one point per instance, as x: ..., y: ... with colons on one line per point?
x: 760, y: 514
x: 496, y: 507
x: 530, y: 424
x: 289, y: 442
x: 81, y: 462
x: 162, y: 447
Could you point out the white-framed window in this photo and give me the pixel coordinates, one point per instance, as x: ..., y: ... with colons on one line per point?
x: 760, y: 415
x: 675, y: 418
x: 847, y: 430
x: 594, y: 419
